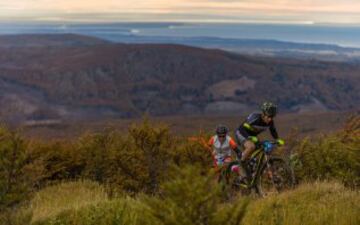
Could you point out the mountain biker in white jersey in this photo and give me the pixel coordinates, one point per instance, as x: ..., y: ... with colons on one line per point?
x: 254, y: 124
x: 222, y: 146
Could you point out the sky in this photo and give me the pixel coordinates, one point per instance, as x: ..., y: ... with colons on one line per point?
x: 248, y: 11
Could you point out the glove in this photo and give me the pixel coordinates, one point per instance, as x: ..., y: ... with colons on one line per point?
x: 253, y: 139
x: 280, y: 141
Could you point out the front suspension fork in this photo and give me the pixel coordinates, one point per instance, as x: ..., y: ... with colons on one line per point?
x: 269, y: 171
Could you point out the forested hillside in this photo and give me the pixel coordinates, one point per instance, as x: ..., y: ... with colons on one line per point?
x: 84, y: 77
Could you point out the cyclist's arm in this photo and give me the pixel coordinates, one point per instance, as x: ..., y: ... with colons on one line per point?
x: 211, y: 142
x: 273, y: 131
x: 235, y: 147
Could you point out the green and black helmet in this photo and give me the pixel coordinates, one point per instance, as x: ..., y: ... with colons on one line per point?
x: 269, y: 109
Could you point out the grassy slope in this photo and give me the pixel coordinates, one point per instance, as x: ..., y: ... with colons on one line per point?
x: 66, y: 196
x: 316, y: 203
x: 82, y: 202
x: 85, y: 203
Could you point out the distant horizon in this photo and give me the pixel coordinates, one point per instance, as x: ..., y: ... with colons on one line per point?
x: 343, y: 36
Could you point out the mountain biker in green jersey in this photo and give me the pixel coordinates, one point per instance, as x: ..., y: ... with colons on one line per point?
x: 254, y: 124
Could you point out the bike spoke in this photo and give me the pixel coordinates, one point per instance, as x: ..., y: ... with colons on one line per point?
x: 276, y: 177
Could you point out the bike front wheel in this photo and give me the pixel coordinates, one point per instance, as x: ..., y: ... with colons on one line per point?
x: 276, y: 177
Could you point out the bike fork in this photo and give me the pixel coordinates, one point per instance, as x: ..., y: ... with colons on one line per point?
x: 270, y: 172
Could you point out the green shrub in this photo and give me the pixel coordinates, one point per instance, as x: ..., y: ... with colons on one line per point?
x: 192, y: 151
x: 187, y: 198
x: 19, y: 173
x: 133, y: 163
x: 96, y: 155
x: 153, y: 146
x: 15, y: 182
x: 58, y: 160
x: 193, y: 198
x: 334, y: 156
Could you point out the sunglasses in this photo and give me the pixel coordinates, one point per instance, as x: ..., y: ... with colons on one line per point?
x: 221, y: 136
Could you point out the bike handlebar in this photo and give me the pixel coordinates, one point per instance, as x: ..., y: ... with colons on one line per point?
x: 269, y: 146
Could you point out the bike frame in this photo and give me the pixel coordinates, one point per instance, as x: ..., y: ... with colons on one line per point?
x: 261, y: 163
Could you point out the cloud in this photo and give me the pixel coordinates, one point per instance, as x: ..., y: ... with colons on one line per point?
x: 330, y: 6
x: 272, y: 10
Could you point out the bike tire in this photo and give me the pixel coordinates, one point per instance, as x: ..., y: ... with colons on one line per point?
x: 228, y: 181
x: 279, y: 177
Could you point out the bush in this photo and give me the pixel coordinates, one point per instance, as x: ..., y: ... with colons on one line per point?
x: 19, y: 173
x: 191, y: 197
x: 134, y: 162
x: 15, y: 181
x: 334, y: 156
x: 188, y: 198
x: 192, y: 151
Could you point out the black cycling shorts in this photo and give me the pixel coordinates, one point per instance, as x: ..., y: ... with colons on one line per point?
x: 240, y: 139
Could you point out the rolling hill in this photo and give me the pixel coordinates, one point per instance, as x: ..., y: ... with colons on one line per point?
x: 71, y: 76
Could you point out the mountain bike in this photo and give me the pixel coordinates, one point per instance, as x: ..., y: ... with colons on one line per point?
x: 269, y: 174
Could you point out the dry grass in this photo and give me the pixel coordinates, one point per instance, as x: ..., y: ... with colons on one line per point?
x: 310, y: 204
x: 72, y: 195
x: 313, y: 203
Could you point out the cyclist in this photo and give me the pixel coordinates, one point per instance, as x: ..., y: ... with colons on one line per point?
x: 222, y: 145
x: 256, y: 123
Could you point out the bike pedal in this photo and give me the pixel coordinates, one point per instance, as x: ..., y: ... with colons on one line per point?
x: 241, y: 181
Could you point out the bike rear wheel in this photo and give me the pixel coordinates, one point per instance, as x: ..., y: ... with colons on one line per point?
x: 276, y: 177
x: 231, y: 183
